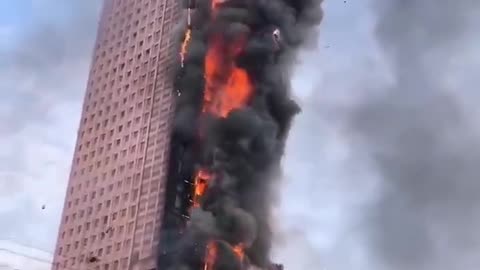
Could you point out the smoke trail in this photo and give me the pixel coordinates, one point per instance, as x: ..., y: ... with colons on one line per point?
x: 423, y: 139
x: 238, y: 140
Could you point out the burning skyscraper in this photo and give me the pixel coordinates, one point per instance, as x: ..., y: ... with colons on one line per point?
x: 233, y: 113
x: 176, y: 161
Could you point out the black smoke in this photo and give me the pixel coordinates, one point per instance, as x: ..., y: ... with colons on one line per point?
x: 244, y: 149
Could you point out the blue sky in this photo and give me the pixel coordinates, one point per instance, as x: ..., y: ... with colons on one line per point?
x: 330, y: 214
x: 12, y: 13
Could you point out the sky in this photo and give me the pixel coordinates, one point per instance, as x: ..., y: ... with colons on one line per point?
x: 381, y: 165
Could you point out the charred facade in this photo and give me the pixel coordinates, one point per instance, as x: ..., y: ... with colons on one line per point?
x: 233, y: 113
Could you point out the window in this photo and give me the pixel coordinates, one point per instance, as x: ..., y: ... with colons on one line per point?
x: 132, y: 211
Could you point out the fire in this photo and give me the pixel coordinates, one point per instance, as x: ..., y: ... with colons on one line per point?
x: 227, y: 87
x: 201, y: 184
x: 210, y: 256
x: 186, y: 41
x: 215, y: 4
x: 239, y: 251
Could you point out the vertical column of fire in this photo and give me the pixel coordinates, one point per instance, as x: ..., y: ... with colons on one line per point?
x: 219, y: 101
x: 230, y: 192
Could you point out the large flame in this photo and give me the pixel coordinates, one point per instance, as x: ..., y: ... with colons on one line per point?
x: 239, y: 251
x: 186, y: 41
x: 227, y: 87
x: 201, y: 181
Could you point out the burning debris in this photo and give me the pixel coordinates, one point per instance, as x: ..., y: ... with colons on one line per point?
x: 233, y: 115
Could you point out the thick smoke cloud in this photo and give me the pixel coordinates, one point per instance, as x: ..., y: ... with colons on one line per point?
x: 423, y: 138
x: 243, y: 150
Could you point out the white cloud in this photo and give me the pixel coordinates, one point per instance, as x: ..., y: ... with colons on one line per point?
x: 15, y: 256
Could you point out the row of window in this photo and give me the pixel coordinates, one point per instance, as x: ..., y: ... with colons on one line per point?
x: 89, y: 212
x: 106, y: 113
x: 152, y: 187
x: 86, y: 184
x: 84, y: 259
x: 103, y: 109
x: 119, y: 170
x: 104, y: 176
x: 125, y: 125
x: 107, y: 138
x: 102, y: 156
x: 119, y: 19
x: 102, y: 54
x: 110, y: 232
x: 128, y: 80
x: 97, y: 155
x: 113, y: 232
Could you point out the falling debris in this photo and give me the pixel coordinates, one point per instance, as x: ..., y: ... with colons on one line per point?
x: 93, y: 259
x: 109, y: 230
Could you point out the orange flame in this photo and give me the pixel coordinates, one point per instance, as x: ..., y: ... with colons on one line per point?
x: 186, y: 41
x: 211, y: 256
x: 239, y: 251
x: 227, y: 87
x: 201, y: 184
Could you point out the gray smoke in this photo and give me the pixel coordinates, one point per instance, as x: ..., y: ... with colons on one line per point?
x: 423, y: 138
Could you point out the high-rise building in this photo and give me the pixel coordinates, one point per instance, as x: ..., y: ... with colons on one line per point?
x: 115, y: 197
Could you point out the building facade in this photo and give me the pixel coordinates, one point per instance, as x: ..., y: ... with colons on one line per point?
x: 115, y: 198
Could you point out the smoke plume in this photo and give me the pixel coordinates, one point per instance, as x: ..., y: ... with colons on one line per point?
x: 233, y: 114
x: 423, y: 139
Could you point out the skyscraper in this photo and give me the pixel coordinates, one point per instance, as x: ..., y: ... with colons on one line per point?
x: 115, y: 195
